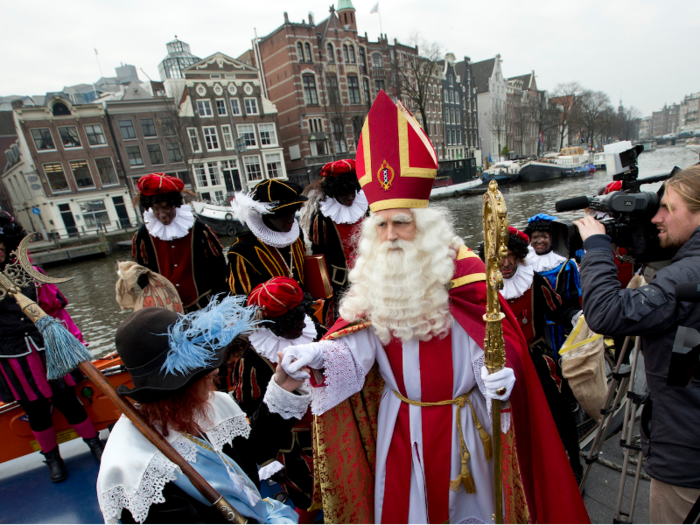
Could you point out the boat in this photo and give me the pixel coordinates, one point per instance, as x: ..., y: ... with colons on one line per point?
x: 539, y: 170
x: 219, y: 218
x: 599, y: 160
x: 649, y: 145
x: 503, y: 172
x: 17, y: 437
x: 454, y: 190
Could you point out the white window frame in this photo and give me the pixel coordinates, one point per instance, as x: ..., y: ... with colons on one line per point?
x: 242, y: 133
x: 208, y: 134
x: 55, y: 147
x: 87, y: 166
x: 99, y: 175
x: 79, y: 146
x: 206, y: 103
x: 280, y: 160
x: 200, y: 175
x: 223, y: 105
x: 235, y: 107
x: 254, y: 102
x: 102, y: 134
x: 245, y: 166
x: 227, y: 136
x: 193, y: 135
x: 272, y: 134
x: 65, y: 177
x: 212, y: 171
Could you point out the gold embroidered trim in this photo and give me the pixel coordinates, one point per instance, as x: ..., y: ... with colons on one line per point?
x: 389, y: 204
x: 465, y: 253
x: 468, y: 279
x: 406, y: 169
x: 367, y: 177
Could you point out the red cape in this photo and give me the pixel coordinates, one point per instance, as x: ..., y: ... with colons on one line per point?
x: 550, y: 488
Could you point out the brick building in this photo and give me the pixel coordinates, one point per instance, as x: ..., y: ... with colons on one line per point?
x: 522, y: 133
x: 470, y: 109
x: 665, y: 121
x: 689, y: 113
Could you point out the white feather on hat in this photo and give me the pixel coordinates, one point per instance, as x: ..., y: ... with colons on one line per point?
x: 244, y: 204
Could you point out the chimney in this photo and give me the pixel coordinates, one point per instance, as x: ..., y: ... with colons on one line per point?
x: 311, y: 19
x: 17, y: 103
x: 286, y: 17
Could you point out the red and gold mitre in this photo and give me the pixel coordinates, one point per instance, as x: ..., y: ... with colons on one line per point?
x: 396, y: 162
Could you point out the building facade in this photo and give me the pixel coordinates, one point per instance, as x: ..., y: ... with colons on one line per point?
x: 179, y: 58
x: 470, y: 109
x: 689, y: 113
x: 453, y: 94
x: 66, y: 180
x: 522, y: 112
x: 665, y: 121
x: 491, y: 91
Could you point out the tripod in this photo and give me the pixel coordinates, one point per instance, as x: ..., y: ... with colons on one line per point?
x: 620, y: 389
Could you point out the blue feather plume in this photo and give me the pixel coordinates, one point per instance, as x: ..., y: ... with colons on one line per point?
x: 63, y: 351
x: 197, y: 337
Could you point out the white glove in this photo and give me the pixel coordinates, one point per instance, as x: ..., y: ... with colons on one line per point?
x: 297, y: 357
x: 504, y: 378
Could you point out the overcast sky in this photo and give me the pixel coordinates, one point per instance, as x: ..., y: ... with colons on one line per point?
x: 645, y: 51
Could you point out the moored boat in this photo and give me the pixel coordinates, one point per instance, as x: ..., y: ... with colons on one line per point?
x: 503, y: 172
x: 599, y: 160
x: 537, y: 170
x: 220, y: 219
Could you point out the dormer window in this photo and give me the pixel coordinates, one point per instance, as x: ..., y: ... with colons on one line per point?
x: 60, y: 110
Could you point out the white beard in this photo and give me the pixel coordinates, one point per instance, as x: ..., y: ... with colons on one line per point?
x: 400, y: 286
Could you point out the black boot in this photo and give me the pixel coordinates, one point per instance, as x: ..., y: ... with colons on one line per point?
x: 56, y: 466
x: 97, y: 446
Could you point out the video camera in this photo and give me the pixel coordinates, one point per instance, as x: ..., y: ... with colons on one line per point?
x: 626, y: 214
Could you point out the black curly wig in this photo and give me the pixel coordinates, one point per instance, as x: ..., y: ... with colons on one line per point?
x: 517, y: 245
x: 174, y: 198
x: 343, y: 184
x: 11, y: 234
x: 538, y: 226
x: 281, y: 325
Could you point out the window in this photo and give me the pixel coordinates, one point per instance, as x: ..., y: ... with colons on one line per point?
x: 148, y: 127
x: 379, y: 85
x: 155, y: 155
x: 449, y: 79
x: 60, y: 109
x: 167, y: 126
x: 300, y: 52
x: 253, y: 170
x: 452, y: 97
x: 228, y: 137
x: 452, y: 116
x: 352, y: 54
x: 333, y: 93
x: 447, y: 116
x: 377, y: 60
x: 449, y: 141
x: 454, y: 137
x: 357, y: 128
x: 315, y: 125
x: 106, y: 171
x: 81, y: 174
x: 307, y: 48
x: 211, y: 138
x: 365, y: 87
x: 339, y: 136
x: 213, y: 173
x: 310, y: 96
x: 69, y: 137
x: 329, y: 50
x: 94, y: 135
x: 247, y: 133
x: 94, y: 214
x: 235, y: 107
x: 363, y: 60
x: 229, y: 169
x: 56, y: 177
x: 221, y: 107
x: 273, y: 162
x: 204, y: 108
x: 42, y: 139
x: 251, y: 106
x: 354, y: 90
x: 446, y: 97
x: 194, y: 140
x: 268, y: 136
x: 134, y: 154
x: 219, y: 196
x: 200, y: 175
x: 345, y: 53
x: 459, y: 136
x: 127, y: 129
x: 174, y: 153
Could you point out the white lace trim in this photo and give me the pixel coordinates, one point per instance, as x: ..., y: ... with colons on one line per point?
x: 159, y: 472
x: 287, y: 404
x: 224, y: 433
x: 471, y: 519
x: 520, y: 283
x: 477, y: 365
x: 182, y: 223
x: 269, y: 470
x: 269, y: 237
x: 268, y: 344
x: 343, y: 377
x: 341, y: 214
x: 543, y: 263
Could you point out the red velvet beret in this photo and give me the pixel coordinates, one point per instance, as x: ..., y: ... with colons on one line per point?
x: 337, y: 168
x: 276, y: 296
x: 159, y: 183
x: 518, y: 233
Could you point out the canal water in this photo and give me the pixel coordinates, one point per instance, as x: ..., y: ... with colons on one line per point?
x: 92, y: 294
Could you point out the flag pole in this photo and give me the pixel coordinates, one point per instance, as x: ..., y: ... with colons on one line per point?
x: 97, y: 58
x: 379, y: 12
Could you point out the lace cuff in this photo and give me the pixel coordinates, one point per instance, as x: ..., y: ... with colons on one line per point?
x: 477, y: 364
x: 343, y: 377
x: 269, y: 470
x: 223, y: 433
x: 287, y: 404
x: 150, y: 490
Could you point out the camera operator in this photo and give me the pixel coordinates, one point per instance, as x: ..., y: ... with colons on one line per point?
x: 671, y: 417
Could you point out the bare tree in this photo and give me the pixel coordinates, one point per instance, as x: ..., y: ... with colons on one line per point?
x: 595, y: 105
x: 543, y: 115
x: 416, y: 72
x: 567, y: 103
x: 498, y: 122
x: 174, y: 129
x: 520, y: 125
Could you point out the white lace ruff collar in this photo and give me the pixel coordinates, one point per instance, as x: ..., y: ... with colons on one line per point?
x: 340, y: 214
x: 183, y: 222
x: 543, y: 263
x: 133, y: 472
x: 268, y: 344
x: 520, y: 283
x: 270, y: 237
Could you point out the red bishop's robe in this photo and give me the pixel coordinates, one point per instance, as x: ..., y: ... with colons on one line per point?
x: 534, y: 464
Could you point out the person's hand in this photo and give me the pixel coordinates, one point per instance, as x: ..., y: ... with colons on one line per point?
x: 504, y: 378
x: 589, y: 226
x: 302, y: 356
x: 283, y: 379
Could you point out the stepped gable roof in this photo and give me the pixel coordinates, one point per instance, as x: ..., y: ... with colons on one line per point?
x: 481, y: 72
x: 7, y: 124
